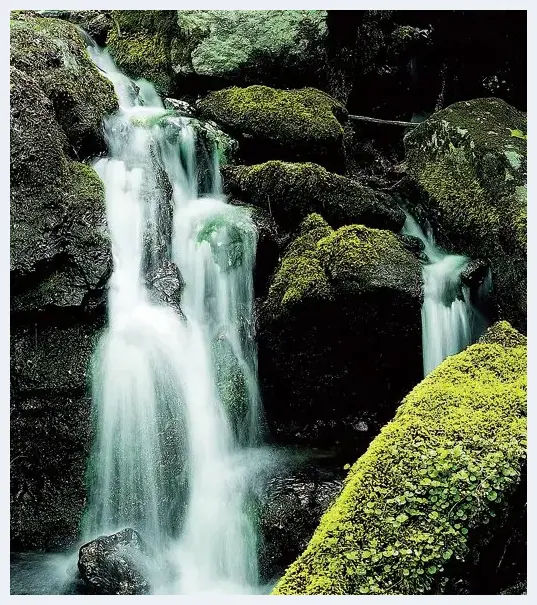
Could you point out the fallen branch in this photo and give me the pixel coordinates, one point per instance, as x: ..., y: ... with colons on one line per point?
x: 379, y: 121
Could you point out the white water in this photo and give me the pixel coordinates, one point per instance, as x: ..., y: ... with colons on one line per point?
x: 448, y: 317
x: 176, y: 401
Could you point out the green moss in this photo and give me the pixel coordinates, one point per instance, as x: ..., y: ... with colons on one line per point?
x: 307, y: 115
x: 321, y: 262
x: 140, y: 43
x: 292, y: 190
x: 440, y: 471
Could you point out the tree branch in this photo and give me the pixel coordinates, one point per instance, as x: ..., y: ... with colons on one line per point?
x: 379, y: 121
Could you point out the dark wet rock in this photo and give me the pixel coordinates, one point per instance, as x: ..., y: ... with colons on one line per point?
x: 96, y: 23
x: 292, y: 505
x: 339, y: 334
x: 115, y: 564
x: 290, y: 191
x: 181, y: 107
x: 166, y: 283
x: 414, y: 245
x: 59, y: 265
x: 474, y: 273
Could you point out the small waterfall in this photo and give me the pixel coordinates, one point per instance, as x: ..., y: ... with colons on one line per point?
x: 449, y: 320
x: 176, y: 403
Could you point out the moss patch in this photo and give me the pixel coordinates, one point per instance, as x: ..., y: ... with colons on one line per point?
x: 304, y: 123
x: 290, y: 191
x: 321, y: 263
x: 437, y: 473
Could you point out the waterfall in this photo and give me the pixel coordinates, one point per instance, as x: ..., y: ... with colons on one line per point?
x: 177, y: 410
x: 449, y: 320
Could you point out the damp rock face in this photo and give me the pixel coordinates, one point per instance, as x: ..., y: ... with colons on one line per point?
x: 115, y: 564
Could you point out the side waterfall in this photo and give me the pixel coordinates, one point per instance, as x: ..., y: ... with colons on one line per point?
x: 449, y: 321
x: 176, y: 401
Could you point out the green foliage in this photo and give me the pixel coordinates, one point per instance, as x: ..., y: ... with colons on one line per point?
x: 519, y: 134
x: 438, y: 472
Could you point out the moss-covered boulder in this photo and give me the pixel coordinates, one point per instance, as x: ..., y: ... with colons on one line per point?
x: 269, y: 46
x: 470, y: 160
x: 291, y: 191
x: 304, y: 124
x: 53, y: 53
x: 339, y: 334
x: 59, y: 264
x: 434, y: 486
x: 96, y: 23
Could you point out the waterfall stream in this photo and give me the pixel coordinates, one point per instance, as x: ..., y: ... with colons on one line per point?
x: 176, y: 401
x: 449, y: 320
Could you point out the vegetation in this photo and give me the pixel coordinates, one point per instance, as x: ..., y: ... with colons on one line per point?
x: 437, y: 473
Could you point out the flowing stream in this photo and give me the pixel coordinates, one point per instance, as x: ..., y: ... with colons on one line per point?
x: 449, y: 320
x: 176, y: 401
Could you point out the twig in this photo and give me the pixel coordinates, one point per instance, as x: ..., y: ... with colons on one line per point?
x: 379, y: 121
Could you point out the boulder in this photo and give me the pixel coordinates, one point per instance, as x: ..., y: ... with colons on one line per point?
x: 269, y: 123
x: 291, y: 191
x: 470, y: 162
x: 96, y: 23
x: 53, y: 53
x: 115, y: 564
x: 434, y: 488
x: 270, y: 46
x: 339, y: 334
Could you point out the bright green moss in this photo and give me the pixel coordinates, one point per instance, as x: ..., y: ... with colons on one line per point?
x: 436, y: 474
x: 307, y: 115
x: 321, y: 261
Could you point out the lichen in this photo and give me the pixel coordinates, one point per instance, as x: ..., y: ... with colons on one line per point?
x: 435, y: 476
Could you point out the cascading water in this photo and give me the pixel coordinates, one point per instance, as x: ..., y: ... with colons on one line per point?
x: 449, y: 321
x: 176, y: 402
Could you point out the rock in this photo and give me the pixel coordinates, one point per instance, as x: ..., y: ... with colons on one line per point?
x: 270, y: 124
x: 96, y: 23
x: 291, y: 191
x: 115, y: 564
x: 166, y: 284
x: 292, y: 505
x: 475, y: 273
x: 53, y: 53
x: 470, y: 161
x: 268, y: 246
x: 342, y: 314
x: 181, y: 107
x: 269, y: 46
x: 433, y: 488
x: 59, y: 265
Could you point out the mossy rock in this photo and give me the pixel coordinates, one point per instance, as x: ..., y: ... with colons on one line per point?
x: 303, y: 124
x: 470, y: 160
x: 53, y: 53
x: 341, y: 308
x: 291, y: 191
x: 433, y: 485
x: 140, y: 43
